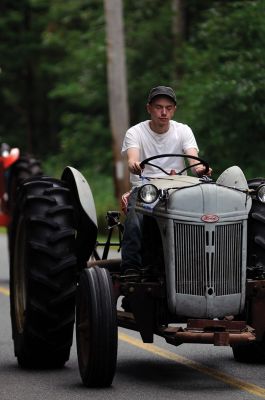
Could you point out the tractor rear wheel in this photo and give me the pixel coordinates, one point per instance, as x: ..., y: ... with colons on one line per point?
x: 250, y: 353
x: 96, y: 328
x: 256, y: 230
x: 42, y: 273
x: 254, y: 351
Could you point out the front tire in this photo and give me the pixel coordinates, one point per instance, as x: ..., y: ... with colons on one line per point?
x: 96, y: 328
x: 42, y: 274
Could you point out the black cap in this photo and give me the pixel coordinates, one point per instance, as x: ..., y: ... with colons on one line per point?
x: 162, y: 91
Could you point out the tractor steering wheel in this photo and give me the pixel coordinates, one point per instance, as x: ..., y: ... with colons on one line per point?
x: 200, y: 161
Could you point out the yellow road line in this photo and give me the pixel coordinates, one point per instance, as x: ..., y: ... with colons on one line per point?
x: 221, y: 376
x: 4, y: 291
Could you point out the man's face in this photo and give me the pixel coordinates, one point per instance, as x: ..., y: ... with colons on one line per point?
x: 161, y: 110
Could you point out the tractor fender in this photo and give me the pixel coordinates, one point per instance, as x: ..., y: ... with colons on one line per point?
x: 85, y: 213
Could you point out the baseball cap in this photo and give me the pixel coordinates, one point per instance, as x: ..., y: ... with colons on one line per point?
x: 162, y: 91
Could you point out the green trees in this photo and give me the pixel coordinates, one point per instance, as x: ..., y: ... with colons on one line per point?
x: 21, y: 81
x: 53, y: 88
x: 76, y: 32
x: 223, y: 89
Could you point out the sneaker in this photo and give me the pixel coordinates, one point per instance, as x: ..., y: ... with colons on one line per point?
x: 125, y: 304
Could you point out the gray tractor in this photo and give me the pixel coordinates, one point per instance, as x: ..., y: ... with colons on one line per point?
x: 203, y: 278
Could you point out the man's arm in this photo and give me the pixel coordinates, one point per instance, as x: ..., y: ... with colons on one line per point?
x: 199, y: 169
x: 133, y: 156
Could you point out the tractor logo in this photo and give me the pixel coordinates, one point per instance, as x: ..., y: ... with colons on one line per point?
x: 210, y: 218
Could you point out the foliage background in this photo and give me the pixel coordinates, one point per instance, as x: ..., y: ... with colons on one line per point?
x: 53, y: 88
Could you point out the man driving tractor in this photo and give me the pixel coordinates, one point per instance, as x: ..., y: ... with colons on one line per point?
x: 159, y: 135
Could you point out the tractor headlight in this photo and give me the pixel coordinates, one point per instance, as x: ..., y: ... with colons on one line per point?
x: 148, y: 193
x: 261, y: 193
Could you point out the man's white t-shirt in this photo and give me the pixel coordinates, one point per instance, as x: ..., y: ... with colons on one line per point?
x: 176, y: 140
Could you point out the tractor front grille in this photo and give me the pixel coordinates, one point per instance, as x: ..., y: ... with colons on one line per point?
x: 208, y: 257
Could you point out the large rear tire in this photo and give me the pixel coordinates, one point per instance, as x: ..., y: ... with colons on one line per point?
x: 256, y: 230
x: 250, y: 353
x: 254, y: 352
x: 42, y: 273
x: 96, y: 328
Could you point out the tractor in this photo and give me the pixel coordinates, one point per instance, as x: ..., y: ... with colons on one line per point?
x: 202, y: 281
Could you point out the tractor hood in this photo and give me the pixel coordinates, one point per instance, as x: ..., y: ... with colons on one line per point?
x: 203, y: 228
x: 193, y: 198
x: 207, y: 200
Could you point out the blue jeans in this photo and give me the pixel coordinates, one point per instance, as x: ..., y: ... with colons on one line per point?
x: 131, y: 250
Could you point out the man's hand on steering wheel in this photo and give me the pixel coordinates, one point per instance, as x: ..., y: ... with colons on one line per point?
x: 134, y: 167
x: 199, y: 170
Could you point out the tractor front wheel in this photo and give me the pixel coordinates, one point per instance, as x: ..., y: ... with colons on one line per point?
x: 96, y: 328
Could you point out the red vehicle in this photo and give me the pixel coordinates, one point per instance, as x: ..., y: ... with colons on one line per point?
x: 14, y: 168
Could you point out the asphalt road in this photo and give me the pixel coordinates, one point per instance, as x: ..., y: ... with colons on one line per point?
x: 159, y: 371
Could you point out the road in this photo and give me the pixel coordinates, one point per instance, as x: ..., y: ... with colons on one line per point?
x: 158, y: 371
